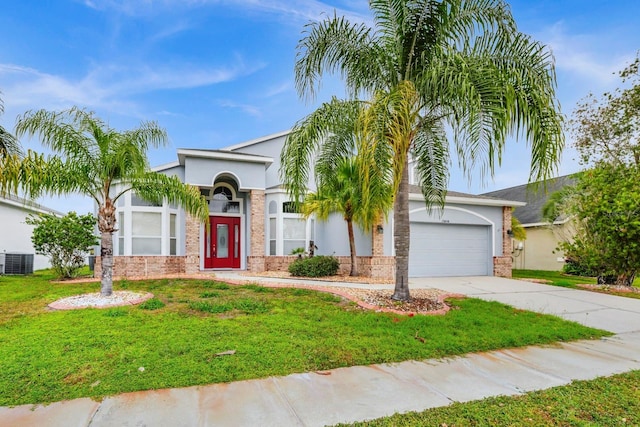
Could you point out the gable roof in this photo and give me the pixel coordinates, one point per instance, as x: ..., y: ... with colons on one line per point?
x: 535, y: 195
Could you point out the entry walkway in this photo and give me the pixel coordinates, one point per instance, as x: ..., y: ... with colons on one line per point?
x: 366, y: 392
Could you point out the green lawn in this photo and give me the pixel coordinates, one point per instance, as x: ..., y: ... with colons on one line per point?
x: 558, y: 278
x: 53, y: 355
x: 612, y: 401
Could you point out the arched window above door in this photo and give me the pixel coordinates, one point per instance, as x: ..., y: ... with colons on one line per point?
x: 223, y: 200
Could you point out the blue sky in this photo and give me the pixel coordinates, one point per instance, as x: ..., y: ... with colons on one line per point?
x: 219, y: 72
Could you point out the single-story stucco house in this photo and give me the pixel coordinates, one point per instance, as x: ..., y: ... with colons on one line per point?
x: 254, y: 226
x: 540, y: 250
x: 16, y: 235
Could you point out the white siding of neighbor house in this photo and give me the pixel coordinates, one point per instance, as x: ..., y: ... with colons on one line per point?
x: 16, y: 233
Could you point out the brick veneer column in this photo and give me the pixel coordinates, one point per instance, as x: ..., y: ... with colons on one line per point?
x: 192, y: 245
x: 502, y: 265
x: 256, y: 259
x: 382, y: 267
x: 377, y: 241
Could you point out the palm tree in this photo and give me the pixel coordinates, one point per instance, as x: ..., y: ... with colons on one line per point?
x: 9, y: 145
x: 431, y: 65
x: 94, y: 160
x: 351, y: 173
x: 342, y: 191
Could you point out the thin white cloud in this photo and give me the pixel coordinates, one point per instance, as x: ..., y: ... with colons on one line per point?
x: 169, y: 32
x: 585, y: 56
x: 249, y: 109
x: 110, y: 86
x: 293, y: 10
x: 278, y: 89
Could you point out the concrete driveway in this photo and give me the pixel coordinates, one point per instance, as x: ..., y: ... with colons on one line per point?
x: 608, y: 312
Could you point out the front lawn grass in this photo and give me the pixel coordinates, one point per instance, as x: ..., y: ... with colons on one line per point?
x: 173, y: 341
x: 555, y: 278
x: 611, y: 401
x: 558, y: 278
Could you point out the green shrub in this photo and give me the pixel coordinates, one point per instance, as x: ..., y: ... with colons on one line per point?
x: 152, y: 304
x: 316, y: 266
x: 576, y: 268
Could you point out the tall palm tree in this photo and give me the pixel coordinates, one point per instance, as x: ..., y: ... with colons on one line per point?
x: 351, y: 173
x: 431, y: 65
x: 94, y: 160
x: 9, y: 145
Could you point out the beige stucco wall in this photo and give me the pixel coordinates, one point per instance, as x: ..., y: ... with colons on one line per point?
x: 540, y: 251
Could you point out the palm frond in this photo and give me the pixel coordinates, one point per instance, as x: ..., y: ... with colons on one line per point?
x: 330, y: 121
x: 158, y: 188
x: 335, y: 45
x: 430, y: 151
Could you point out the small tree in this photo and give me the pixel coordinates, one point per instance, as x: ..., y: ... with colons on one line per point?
x: 65, y: 240
x: 606, y: 207
x: 606, y: 129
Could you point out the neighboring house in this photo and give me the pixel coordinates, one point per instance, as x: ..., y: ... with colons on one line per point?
x: 539, y: 251
x: 16, y: 233
x: 254, y: 226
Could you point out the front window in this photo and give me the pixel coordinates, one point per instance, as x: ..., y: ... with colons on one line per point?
x: 146, y: 233
x: 294, y: 234
x: 146, y: 228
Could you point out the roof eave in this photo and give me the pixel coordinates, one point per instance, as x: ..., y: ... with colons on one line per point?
x: 472, y: 201
x: 217, y: 155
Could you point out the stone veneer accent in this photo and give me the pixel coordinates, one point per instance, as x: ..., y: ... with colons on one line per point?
x: 375, y: 267
x: 192, y: 245
x: 256, y: 259
x: 380, y: 266
x: 502, y: 265
x: 143, y: 266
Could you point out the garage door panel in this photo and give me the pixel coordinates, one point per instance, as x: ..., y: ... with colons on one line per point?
x: 449, y: 250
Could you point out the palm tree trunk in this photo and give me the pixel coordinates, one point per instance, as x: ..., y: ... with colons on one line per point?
x: 106, y: 256
x: 401, y: 236
x: 352, y: 248
x: 106, y: 225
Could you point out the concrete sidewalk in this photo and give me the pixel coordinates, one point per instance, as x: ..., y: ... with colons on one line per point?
x: 359, y: 393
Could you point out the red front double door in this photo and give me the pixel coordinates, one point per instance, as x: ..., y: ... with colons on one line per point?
x: 222, y: 243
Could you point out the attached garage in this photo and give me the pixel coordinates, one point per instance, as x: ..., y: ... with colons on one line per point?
x: 439, y: 250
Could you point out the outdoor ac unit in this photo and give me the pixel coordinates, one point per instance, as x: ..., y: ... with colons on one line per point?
x: 18, y: 263
x: 2, y: 263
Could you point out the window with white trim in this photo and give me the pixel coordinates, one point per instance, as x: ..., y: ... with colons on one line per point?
x: 273, y: 235
x: 146, y: 228
x: 294, y: 228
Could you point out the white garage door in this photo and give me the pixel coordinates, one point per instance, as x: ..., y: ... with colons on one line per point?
x: 449, y: 250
